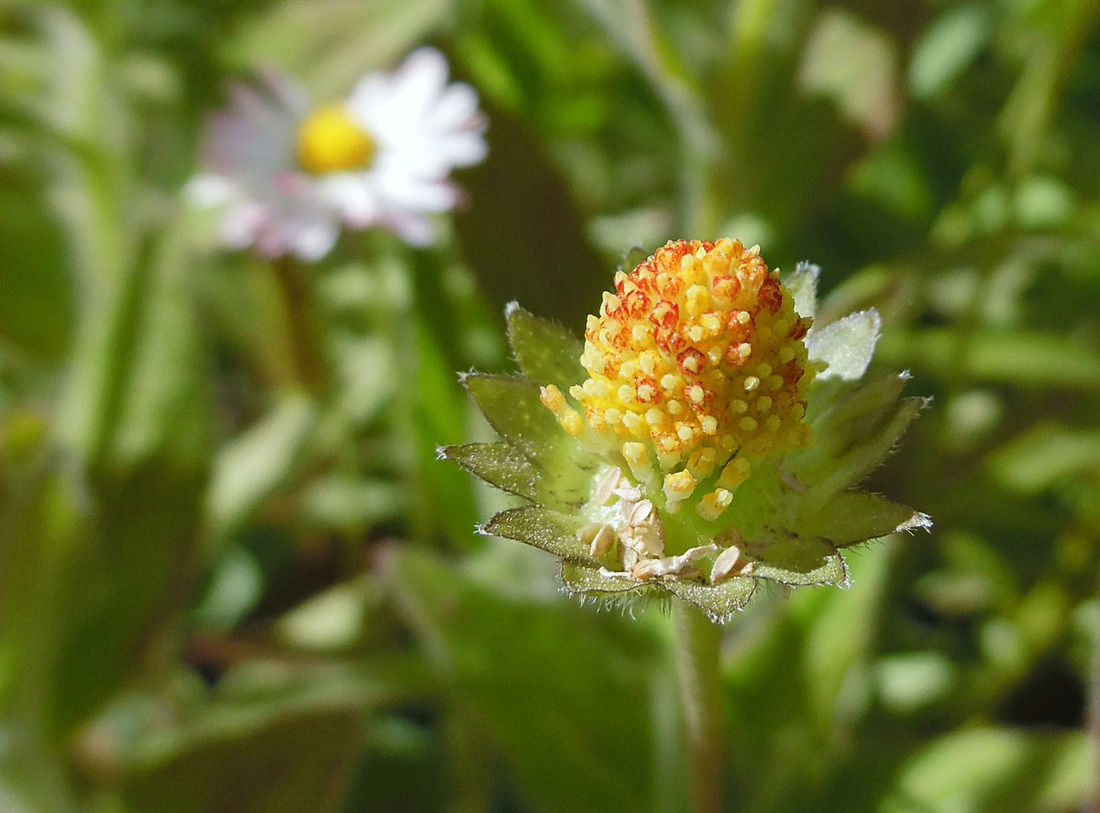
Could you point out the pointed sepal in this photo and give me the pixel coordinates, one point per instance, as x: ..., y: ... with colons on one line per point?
x: 544, y: 350
x: 543, y: 528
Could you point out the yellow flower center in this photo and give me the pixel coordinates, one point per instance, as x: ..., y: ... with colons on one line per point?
x: 697, y: 368
x: 329, y: 141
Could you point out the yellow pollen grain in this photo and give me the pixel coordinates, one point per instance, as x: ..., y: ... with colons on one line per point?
x: 633, y: 422
x: 763, y: 403
x: 773, y: 423
x: 747, y: 423
x: 751, y: 383
x: 625, y: 393
x: 696, y: 393
x: 654, y: 417
x: 670, y: 382
x: 674, y: 407
x: 614, y: 416
x: 710, y: 424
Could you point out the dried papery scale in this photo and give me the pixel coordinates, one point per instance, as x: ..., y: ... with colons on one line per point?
x: 705, y: 435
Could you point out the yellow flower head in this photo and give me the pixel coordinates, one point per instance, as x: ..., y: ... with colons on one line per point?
x: 697, y: 367
x: 330, y: 141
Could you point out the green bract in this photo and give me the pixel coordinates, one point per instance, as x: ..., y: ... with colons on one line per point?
x: 787, y: 523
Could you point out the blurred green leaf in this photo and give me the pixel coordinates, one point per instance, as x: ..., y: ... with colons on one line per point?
x: 237, y: 759
x: 583, y: 737
x: 947, y: 46
x: 1045, y: 454
x: 1025, y: 358
x: 139, y: 420
x: 256, y: 462
x: 331, y: 43
x: 989, y: 769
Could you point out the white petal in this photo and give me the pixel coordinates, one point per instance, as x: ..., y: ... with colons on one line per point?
x: 455, y: 109
x: 803, y: 287
x: 846, y: 345
x: 315, y: 239
x: 420, y: 80
x: 353, y: 196
x: 416, y: 230
x: 209, y: 189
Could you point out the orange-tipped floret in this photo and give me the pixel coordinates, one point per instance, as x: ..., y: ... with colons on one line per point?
x: 697, y: 366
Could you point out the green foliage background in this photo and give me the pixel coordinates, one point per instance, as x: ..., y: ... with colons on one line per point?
x: 233, y: 575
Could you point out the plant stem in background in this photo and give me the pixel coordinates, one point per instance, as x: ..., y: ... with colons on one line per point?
x: 301, y: 325
x: 1092, y: 804
x: 698, y: 642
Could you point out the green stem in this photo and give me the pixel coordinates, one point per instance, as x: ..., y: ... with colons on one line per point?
x: 698, y: 643
x: 302, y: 329
x: 1092, y: 804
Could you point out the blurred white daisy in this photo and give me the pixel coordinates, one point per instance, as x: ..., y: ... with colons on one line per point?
x: 287, y: 175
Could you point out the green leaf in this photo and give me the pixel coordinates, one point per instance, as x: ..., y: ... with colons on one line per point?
x: 633, y: 257
x: 1043, y: 455
x: 851, y: 436
x: 513, y: 408
x: 856, y: 516
x: 833, y: 570
x: 505, y: 467
x: 251, y: 466
x: 500, y: 464
x: 1021, y: 358
x: 580, y: 579
x: 998, y: 769
x: 139, y: 423
x: 792, y: 559
x: 546, y: 352
x: 542, y: 528
x: 278, y: 758
x: 543, y: 680
x: 947, y: 46
x: 718, y: 601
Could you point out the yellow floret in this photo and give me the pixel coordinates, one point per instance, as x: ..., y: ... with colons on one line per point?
x: 330, y: 141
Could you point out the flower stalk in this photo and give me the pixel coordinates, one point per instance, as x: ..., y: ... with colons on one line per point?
x: 698, y: 650
x: 303, y: 333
